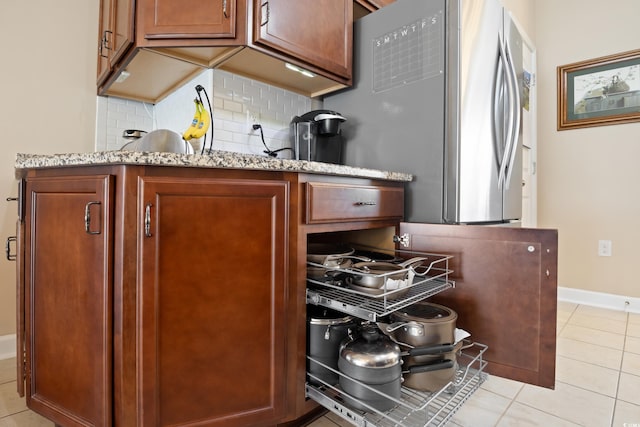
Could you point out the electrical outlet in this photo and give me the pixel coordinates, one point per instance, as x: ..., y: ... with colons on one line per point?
x: 252, y: 118
x: 604, y: 247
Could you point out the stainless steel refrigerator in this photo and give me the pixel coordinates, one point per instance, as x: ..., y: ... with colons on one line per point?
x: 438, y: 92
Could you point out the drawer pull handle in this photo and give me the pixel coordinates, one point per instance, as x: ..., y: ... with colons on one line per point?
x: 87, y: 218
x: 369, y: 203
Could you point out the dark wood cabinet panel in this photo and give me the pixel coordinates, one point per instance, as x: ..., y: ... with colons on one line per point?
x: 68, y: 276
x: 103, y: 41
x: 212, y: 301
x: 122, y: 28
x: 505, y: 292
x: 115, y: 34
x: 329, y: 202
x: 186, y: 19
x: 319, y: 32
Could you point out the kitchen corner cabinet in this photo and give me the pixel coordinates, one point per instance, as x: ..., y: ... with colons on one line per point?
x: 177, y: 296
x: 155, y: 299
x: 174, y: 41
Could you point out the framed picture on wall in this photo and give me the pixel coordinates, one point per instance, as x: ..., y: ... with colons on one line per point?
x: 600, y: 91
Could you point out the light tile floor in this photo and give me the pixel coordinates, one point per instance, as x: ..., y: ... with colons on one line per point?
x: 597, y: 382
x: 597, y: 379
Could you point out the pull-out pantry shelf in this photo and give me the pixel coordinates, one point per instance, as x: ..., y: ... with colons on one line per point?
x: 414, y: 408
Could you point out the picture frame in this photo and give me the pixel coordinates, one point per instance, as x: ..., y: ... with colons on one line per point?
x: 600, y: 91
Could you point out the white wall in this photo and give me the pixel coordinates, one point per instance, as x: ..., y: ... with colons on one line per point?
x: 588, y: 178
x: 47, y: 98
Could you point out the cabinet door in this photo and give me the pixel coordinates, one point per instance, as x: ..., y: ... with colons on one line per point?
x: 187, y: 19
x: 212, y: 301
x: 318, y: 32
x: 104, y: 40
x: 505, y: 292
x: 68, y: 302
x: 116, y: 34
x: 123, y: 18
x: 20, y: 287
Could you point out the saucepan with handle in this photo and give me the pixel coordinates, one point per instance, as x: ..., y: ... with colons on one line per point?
x: 373, y: 274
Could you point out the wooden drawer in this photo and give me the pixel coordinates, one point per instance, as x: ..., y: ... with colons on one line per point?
x: 346, y: 202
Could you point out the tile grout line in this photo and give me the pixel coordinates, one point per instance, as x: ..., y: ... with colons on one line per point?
x: 624, y: 346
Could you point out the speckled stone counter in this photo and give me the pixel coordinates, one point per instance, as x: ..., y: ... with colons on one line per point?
x: 217, y: 159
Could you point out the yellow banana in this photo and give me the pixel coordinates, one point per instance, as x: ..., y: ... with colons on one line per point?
x: 191, y: 130
x: 203, y: 123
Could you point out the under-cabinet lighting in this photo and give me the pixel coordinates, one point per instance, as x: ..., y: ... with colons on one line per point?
x: 299, y: 70
x: 124, y: 75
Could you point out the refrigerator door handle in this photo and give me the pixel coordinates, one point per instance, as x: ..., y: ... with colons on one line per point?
x: 498, y: 114
x: 510, y: 120
x: 516, y: 113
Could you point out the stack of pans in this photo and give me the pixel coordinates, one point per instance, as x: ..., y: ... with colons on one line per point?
x: 426, y: 324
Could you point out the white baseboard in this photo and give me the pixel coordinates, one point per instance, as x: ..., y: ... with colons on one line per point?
x: 7, y: 346
x: 599, y: 299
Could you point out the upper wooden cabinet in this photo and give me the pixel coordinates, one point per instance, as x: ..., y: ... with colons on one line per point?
x: 188, y: 19
x: 116, y: 34
x: 174, y: 41
x: 278, y: 25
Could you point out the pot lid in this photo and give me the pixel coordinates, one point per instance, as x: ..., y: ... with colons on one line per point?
x: 426, y: 312
x: 319, y: 315
x: 371, y: 350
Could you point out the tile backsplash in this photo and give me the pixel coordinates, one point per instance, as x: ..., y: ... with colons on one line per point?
x: 237, y: 103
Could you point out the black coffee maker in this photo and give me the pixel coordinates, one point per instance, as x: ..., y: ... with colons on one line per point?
x: 316, y: 136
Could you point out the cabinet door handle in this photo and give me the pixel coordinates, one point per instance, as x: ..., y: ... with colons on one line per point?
x: 10, y: 256
x: 87, y: 218
x: 147, y: 220
x: 264, y: 13
x: 224, y: 8
x: 105, y: 40
x: 365, y: 203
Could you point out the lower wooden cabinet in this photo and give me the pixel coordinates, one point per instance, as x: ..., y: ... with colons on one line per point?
x: 211, y: 301
x: 155, y: 300
x: 68, y: 298
x: 159, y: 296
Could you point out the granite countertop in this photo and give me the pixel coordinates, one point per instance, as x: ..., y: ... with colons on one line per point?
x: 216, y: 159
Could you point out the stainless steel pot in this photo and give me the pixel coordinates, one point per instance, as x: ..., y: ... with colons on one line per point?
x: 326, y: 329
x: 372, y: 274
x: 422, y: 324
x: 330, y: 256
